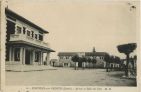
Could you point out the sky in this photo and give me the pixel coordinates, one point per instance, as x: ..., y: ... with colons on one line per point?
x: 80, y: 25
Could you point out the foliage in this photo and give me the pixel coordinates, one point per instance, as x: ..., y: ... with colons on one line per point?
x: 75, y: 58
x: 127, y: 48
x: 107, y: 58
x: 83, y: 59
x: 89, y: 60
x: 94, y: 61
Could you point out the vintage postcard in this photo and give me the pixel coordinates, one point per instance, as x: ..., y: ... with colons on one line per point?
x: 70, y: 45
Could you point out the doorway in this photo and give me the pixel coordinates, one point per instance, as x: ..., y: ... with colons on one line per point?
x: 27, y: 57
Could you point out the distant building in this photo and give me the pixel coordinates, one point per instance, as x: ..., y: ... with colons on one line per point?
x: 25, y: 41
x: 132, y: 63
x: 54, y: 62
x: 65, y: 58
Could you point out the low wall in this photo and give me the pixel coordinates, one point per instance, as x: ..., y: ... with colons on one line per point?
x: 13, y: 63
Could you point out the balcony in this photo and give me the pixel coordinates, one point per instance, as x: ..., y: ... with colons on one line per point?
x: 21, y: 37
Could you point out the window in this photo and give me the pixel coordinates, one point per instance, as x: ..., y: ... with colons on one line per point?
x: 64, y: 57
x: 36, y: 36
x: 65, y: 64
x: 19, y: 30
x: 32, y: 34
x: 28, y: 33
x: 40, y: 37
x: 24, y: 30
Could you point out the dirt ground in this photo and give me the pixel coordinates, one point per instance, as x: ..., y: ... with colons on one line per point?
x: 69, y: 77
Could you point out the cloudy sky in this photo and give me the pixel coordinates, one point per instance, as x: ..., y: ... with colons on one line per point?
x: 80, y: 25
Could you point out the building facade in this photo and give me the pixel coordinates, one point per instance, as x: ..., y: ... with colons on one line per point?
x: 25, y: 41
x: 65, y: 59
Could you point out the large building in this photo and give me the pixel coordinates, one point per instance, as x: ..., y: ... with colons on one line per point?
x: 65, y: 59
x: 25, y: 41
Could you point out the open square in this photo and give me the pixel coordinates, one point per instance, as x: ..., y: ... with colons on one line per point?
x: 69, y: 77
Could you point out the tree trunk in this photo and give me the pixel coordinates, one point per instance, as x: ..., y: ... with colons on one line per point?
x: 133, y: 64
x: 93, y: 65
x: 89, y: 65
x: 75, y: 65
x: 107, y: 66
x: 126, y: 70
x: 83, y: 65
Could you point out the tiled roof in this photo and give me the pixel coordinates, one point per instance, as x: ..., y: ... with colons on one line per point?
x: 67, y: 53
x: 86, y: 53
x: 96, y: 53
x: 17, y: 16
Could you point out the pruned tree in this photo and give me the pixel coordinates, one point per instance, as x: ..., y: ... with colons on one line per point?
x: 127, y: 49
x: 75, y: 59
x: 93, y: 61
x: 83, y: 60
x: 107, y: 60
x: 89, y: 61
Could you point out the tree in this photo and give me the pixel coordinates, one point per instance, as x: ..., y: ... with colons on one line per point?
x: 80, y: 61
x: 89, y: 61
x: 112, y: 60
x: 127, y: 49
x: 117, y: 61
x: 83, y: 60
x: 75, y: 59
x: 93, y: 61
x: 107, y: 59
x: 134, y: 61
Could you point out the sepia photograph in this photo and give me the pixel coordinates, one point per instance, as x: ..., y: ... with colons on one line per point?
x: 71, y: 43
